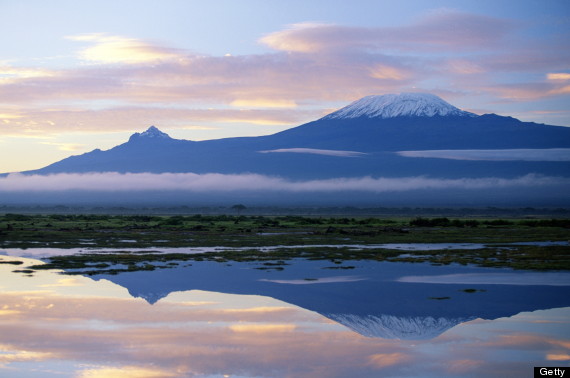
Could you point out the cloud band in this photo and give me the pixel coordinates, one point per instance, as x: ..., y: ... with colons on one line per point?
x: 225, y: 183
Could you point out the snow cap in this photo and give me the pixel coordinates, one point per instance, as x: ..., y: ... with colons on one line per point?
x: 399, y: 105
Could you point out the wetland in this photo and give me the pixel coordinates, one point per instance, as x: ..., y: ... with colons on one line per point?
x: 145, y: 242
x: 282, y: 296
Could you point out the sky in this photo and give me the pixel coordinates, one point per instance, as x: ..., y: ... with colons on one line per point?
x: 80, y: 75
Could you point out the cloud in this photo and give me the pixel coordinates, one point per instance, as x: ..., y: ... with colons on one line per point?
x: 387, y: 72
x: 6, y: 117
x: 558, y: 76
x: 552, y: 154
x: 464, y: 67
x: 52, y: 121
x: 263, y: 328
x: 118, y: 49
x: 442, y: 30
x: 537, y: 55
x: 529, y: 91
x: 308, y: 66
x: 226, y: 183
x: 9, y: 356
x: 315, y: 151
x: 66, y: 146
x: 125, y: 372
x: 300, y: 37
x: 263, y: 103
x: 137, y: 72
x: 10, y: 74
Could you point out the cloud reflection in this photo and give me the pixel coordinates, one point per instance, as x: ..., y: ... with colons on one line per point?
x: 103, y: 333
x: 9, y: 355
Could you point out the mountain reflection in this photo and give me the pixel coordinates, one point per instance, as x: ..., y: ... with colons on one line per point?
x: 378, y: 299
x: 55, y: 325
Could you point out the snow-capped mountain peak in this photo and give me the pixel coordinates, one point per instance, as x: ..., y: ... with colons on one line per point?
x: 151, y: 133
x: 399, y: 105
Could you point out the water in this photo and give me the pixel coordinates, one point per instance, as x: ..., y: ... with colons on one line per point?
x: 43, y: 252
x: 310, y: 319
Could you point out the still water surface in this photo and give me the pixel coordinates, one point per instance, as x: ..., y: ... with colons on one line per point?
x: 43, y: 252
x: 310, y: 319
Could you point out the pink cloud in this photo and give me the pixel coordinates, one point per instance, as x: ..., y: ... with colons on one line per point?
x: 529, y: 91
x: 444, y: 52
x: 277, y: 77
x: 129, y: 118
x: 117, y: 49
x: 439, y: 31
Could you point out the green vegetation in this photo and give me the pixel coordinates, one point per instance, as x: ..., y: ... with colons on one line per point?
x: 446, y: 222
x: 252, y: 233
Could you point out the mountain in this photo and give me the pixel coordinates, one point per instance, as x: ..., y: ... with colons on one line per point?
x: 370, y: 137
x: 407, y: 135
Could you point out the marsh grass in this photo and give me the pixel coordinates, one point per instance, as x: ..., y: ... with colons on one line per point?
x: 252, y: 233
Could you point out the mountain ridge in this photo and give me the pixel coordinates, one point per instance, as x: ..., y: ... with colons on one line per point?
x: 342, y: 147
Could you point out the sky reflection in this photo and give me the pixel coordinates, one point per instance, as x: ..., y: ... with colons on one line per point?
x: 53, y: 325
